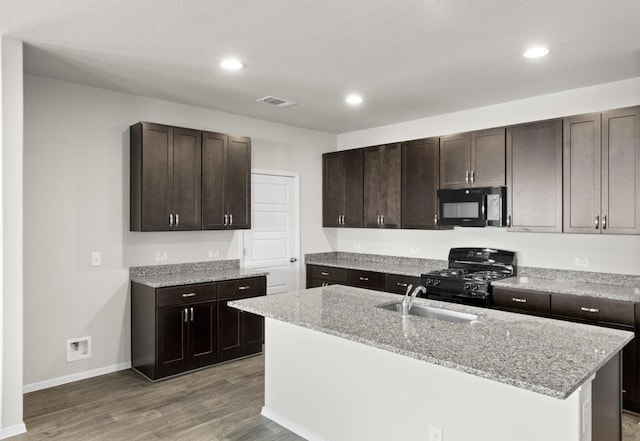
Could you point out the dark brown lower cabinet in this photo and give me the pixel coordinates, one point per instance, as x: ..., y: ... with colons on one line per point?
x: 177, y: 329
x: 319, y: 275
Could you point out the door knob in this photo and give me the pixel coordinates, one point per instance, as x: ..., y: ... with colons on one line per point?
x: 293, y: 259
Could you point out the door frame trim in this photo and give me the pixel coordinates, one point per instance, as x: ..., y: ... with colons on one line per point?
x: 296, y: 198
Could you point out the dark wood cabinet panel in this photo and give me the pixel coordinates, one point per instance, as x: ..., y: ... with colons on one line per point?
x: 327, y: 273
x: 399, y: 284
x: 488, y: 158
x: 455, y: 157
x: 366, y: 279
x: 534, y: 177
x: 621, y: 171
x: 342, y: 189
x: 173, y: 340
x: 382, y: 185
x: 518, y: 300
x: 420, y: 181
x: 187, y: 169
x: 183, y: 295
x: 203, y: 333
x: 593, y: 309
x: 230, y: 329
x: 226, y: 182
x: 236, y: 289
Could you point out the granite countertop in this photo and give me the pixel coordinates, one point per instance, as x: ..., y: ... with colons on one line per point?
x: 602, y: 290
x: 404, y: 266
x: 160, y: 276
x: 550, y: 357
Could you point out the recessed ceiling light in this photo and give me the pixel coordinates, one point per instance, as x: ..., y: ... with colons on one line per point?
x: 231, y: 64
x: 354, y: 99
x: 536, y: 52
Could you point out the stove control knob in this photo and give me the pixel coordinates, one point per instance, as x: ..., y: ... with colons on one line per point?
x: 467, y: 287
x: 475, y: 287
x: 436, y: 282
x: 428, y: 281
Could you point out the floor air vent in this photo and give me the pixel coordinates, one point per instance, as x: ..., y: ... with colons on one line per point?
x: 275, y: 101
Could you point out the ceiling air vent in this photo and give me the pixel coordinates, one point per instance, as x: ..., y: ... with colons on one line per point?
x: 275, y: 101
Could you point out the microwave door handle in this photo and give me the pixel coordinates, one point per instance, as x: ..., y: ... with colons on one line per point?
x: 484, y: 208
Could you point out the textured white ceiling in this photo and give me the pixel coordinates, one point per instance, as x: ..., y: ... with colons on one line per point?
x: 408, y: 58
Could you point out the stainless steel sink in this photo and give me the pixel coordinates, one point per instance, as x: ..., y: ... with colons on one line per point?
x: 435, y: 313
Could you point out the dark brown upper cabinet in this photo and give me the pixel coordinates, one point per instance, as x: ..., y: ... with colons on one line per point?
x: 475, y: 159
x: 342, y: 189
x: 534, y: 176
x: 226, y: 181
x: 165, y: 178
x: 601, y: 163
x: 382, y: 171
x: 420, y: 179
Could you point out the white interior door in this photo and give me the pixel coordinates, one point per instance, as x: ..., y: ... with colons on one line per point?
x: 272, y: 243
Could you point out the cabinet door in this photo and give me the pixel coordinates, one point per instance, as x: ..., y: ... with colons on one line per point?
x: 488, y: 158
x: 172, y: 340
x: 333, y: 188
x: 372, y: 177
x: 213, y: 148
x: 534, y: 177
x: 353, y: 192
x: 203, y: 335
x: 382, y: 170
x: 237, y: 182
x: 157, y: 177
x: 252, y: 329
x: 420, y: 180
x: 187, y: 169
x: 621, y: 171
x: 455, y: 159
x: 582, y: 152
x: 230, y: 327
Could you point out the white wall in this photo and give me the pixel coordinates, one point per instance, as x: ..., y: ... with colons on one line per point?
x: 76, y: 201
x: 618, y: 254
x: 11, y: 285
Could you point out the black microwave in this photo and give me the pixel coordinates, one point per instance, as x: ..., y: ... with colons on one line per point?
x: 473, y: 207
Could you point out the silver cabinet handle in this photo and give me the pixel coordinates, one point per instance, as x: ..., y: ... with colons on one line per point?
x: 517, y: 300
x: 293, y: 259
x: 404, y: 285
x: 382, y: 219
x: 324, y: 273
x: 325, y: 284
x: 171, y: 220
x: 231, y: 219
x: 186, y: 316
x: 509, y: 221
x: 242, y: 288
x: 177, y: 219
x: 191, y: 310
x: 225, y: 220
x: 466, y: 176
x: 597, y: 221
x: 366, y: 279
x: 435, y: 219
x: 190, y: 294
x: 604, y: 222
x: 472, y: 173
x: 594, y: 310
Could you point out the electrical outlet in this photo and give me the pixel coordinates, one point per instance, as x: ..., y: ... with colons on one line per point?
x: 161, y: 256
x: 415, y: 250
x: 96, y: 259
x: 214, y: 253
x: 435, y: 433
x: 581, y: 262
x: 356, y: 245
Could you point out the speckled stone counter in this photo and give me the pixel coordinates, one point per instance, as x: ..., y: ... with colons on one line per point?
x: 160, y: 276
x: 550, y: 357
x: 601, y: 290
x: 405, y: 266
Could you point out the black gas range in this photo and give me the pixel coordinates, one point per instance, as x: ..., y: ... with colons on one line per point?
x: 468, y: 278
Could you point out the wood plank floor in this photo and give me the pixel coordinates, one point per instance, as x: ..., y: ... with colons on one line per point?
x: 215, y: 404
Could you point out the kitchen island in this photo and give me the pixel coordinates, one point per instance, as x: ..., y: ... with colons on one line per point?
x: 337, y: 367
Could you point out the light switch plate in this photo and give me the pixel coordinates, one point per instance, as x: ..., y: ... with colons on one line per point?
x: 161, y: 256
x: 214, y: 253
x: 96, y: 259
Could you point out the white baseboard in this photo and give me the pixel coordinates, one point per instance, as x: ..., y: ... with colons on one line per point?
x: 74, y: 377
x: 13, y: 431
x: 291, y: 425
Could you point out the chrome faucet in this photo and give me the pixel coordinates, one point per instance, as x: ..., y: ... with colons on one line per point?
x: 407, y: 301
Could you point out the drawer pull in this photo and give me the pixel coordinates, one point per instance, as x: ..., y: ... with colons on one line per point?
x: 365, y: 279
x: 404, y: 285
x: 191, y: 294
x: 324, y: 273
x: 518, y: 300
x: 186, y: 315
x: 582, y: 308
x: 242, y: 288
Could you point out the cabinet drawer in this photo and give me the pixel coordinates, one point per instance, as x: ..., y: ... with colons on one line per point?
x: 254, y: 286
x: 537, y: 302
x: 328, y: 273
x: 315, y: 283
x: 593, y: 309
x: 184, y: 294
x: 399, y: 284
x: 366, y: 279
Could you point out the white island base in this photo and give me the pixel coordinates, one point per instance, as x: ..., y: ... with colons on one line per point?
x: 326, y: 388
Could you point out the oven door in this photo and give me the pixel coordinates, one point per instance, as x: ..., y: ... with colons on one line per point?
x: 464, y: 207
